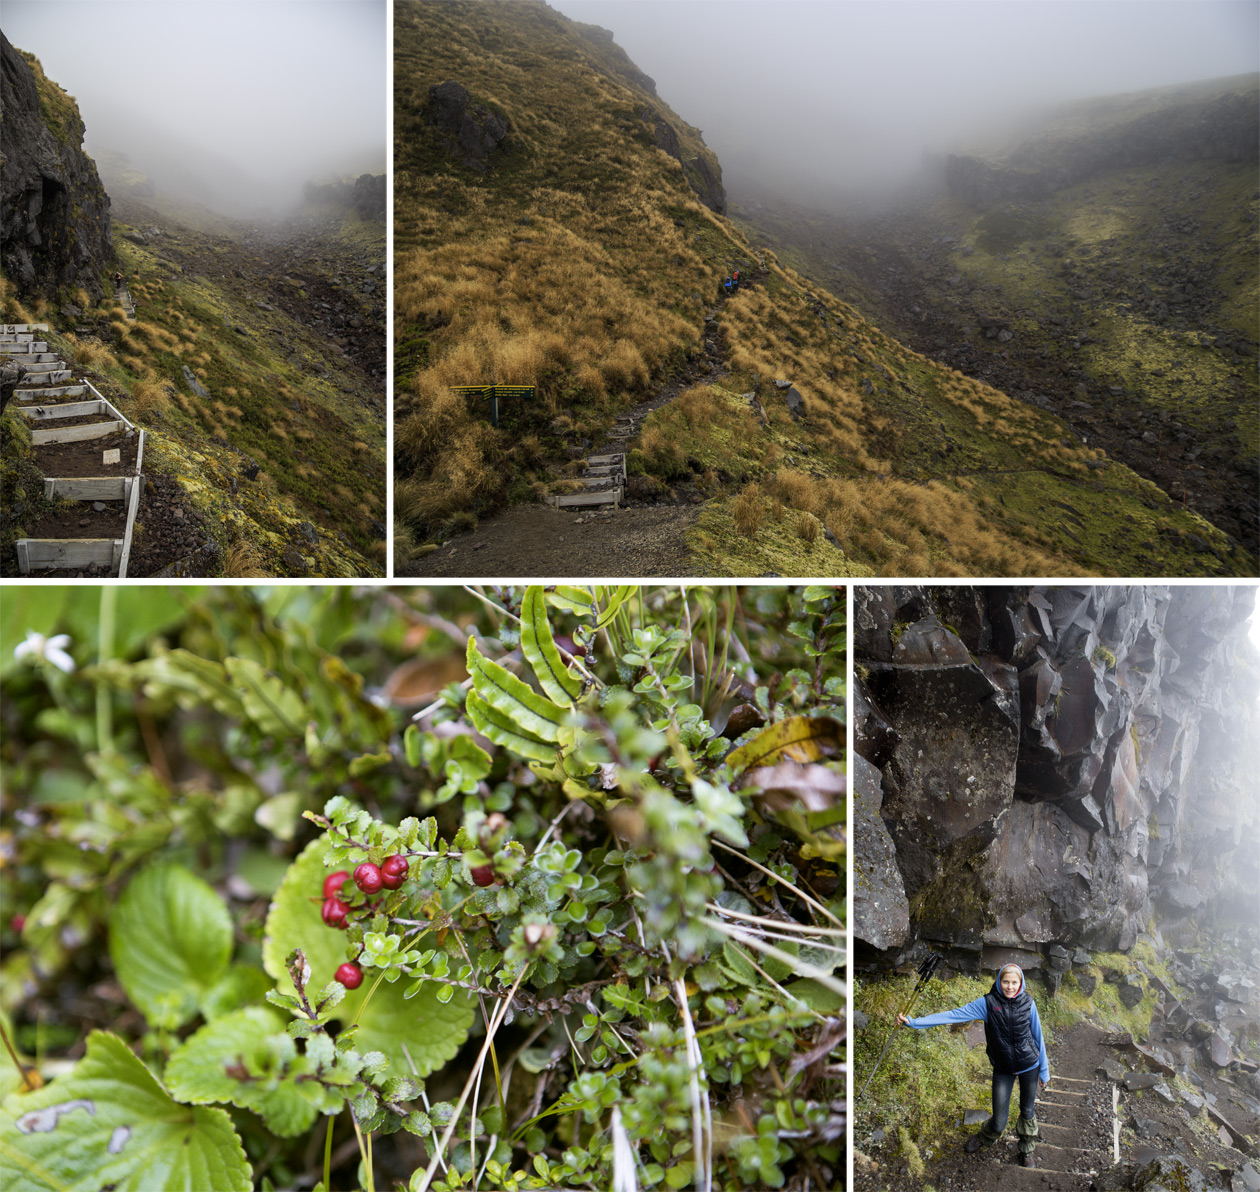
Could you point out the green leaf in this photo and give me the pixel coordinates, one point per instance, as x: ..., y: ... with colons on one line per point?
x: 571, y: 599
x: 531, y: 714
x: 499, y: 729
x: 267, y: 701
x: 541, y: 652
x: 613, y: 599
x: 108, y: 1123
x: 432, y: 1032
x: 246, y: 1059
x: 170, y: 938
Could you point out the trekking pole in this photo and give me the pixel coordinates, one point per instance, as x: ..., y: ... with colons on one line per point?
x: 926, y: 969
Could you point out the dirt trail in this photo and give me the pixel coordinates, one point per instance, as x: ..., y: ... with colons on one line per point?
x: 640, y: 540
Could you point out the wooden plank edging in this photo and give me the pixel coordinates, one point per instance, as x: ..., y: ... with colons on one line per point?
x: 133, y: 506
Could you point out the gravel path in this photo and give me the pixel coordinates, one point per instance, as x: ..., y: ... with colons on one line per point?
x: 537, y: 541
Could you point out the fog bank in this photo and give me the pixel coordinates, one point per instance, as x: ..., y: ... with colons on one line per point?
x: 843, y: 96
x: 234, y: 104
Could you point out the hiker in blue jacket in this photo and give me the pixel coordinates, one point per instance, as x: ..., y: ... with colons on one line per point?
x: 1012, y: 1038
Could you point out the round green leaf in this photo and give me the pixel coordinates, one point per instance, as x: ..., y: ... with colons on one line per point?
x: 248, y: 1059
x: 109, y: 1124
x: 430, y: 1031
x: 170, y: 938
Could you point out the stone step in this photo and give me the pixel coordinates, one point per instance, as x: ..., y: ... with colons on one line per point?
x: 608, y: 496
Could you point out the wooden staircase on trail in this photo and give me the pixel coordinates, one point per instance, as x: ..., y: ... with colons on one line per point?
x: 603, y: 480
x: 49, y: 397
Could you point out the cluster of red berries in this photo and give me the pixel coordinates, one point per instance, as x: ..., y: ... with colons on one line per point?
x: 371, y: 879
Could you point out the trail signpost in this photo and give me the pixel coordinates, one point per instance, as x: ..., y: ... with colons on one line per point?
x: 493, y: 393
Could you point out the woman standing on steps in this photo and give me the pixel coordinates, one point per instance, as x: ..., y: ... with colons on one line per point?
x: 1012, y: 1038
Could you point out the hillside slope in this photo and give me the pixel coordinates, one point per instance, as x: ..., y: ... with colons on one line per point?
x: 1106, y: 267
x: 548, y: 234
x: 254, y: 358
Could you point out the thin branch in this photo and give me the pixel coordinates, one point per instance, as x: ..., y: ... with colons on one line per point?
x: 499, y: 1014
x: 789, y: 925
x: 793, y: 962
x: 782, y: 880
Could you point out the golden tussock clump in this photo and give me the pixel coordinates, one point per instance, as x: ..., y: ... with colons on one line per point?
x: 748, y: 510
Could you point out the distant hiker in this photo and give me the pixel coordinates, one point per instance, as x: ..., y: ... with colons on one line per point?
x: 735, y: 277
x: 727, y: 285
x: 1012, y: 1038
x: 118, y: 281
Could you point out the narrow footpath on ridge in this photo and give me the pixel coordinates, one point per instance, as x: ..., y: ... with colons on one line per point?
x: 593, y: 533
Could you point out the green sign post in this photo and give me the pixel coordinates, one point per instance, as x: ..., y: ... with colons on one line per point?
x: 493, y: 393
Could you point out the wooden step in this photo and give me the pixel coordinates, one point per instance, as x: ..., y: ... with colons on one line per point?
x: 68, y: 554
x: 22, y: 347
x: 65, y: 409
x: 608, y: 496
x: 76, y: 434
x: 89, y: 488
x: 50, y: 391
x: 616, y: 457
x: 22, y: 328
x: 34, y: 361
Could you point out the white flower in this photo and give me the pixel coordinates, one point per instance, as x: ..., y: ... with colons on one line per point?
x: 49, y: 649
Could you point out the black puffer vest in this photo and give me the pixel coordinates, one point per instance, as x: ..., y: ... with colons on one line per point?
x: 1008, y: 1036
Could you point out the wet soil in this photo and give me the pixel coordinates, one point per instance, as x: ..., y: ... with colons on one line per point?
x: 80, y: 520
x: 84, y: 458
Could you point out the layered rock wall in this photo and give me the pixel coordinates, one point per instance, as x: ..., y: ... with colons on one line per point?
x: 1051, y: 768
x: 53, y: 208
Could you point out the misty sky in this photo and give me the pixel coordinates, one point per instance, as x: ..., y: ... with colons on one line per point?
x: 270, y: 92
x: 802, y: 83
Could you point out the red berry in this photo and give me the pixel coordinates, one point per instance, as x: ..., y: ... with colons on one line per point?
x: 332, y: 883
x: 368, y: 878
x: 350, y: 975
x: 394, y: 871
x: 483, y: 875
x: 335, y: 912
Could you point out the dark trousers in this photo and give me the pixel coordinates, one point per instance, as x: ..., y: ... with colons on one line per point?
x: 1026, y: 1126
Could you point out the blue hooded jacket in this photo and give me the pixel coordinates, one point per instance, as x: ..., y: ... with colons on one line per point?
x: 1014, y: 1044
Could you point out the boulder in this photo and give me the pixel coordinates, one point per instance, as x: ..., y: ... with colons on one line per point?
x: 470, y: 131
x: 54, y: 212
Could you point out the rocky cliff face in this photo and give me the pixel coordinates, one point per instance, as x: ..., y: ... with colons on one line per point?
x: 1051, y: 768
x: 55, y: 210
x: 1204, y: 121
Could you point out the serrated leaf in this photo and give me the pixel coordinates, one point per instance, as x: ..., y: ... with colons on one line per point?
x: 170, y: 938
x: 431, y: 1031
x: 108, y: 1123
x: 248, y: 1060
x: 540, y: 650
x: 798, y: 738
x: 489, y: 723
x: 267, y: 701
x: 530, y: 714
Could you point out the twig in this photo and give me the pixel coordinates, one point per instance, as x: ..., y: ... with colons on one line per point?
x: 700, y: 1111
x: 779, y: 878
x: 499, y: 1014
x: 790, y: 925
x: 793, y: 962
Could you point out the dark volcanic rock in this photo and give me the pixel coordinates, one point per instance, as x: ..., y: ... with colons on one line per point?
x: 53, y: 208
x: 881, y: 915
x: 1079, y: 761
x: 473, y: 132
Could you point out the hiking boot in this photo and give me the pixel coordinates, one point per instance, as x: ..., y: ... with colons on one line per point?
x: 1027, y: 1161
x: 974, y: 1143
